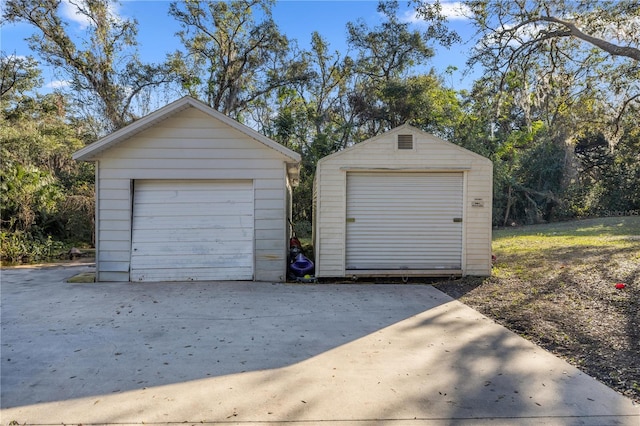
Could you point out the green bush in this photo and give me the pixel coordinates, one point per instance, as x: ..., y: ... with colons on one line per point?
x: 20, y: 247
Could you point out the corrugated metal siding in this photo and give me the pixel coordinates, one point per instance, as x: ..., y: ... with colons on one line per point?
x: 192, y: 230
x: 404, y: 221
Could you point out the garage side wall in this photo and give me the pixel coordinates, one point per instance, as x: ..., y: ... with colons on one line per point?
x: 381, y: 154
x: 190, y: 145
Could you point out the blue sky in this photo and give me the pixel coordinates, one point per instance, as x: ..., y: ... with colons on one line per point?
x: 296, y: 18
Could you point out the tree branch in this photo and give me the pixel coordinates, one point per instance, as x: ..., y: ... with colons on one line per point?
x: 608, y: 47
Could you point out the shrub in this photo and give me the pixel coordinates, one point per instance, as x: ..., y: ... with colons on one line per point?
x: 19, y: 246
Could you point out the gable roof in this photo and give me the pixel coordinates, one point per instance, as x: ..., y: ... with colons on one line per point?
x: 92, y: 152
x: 405, y: 128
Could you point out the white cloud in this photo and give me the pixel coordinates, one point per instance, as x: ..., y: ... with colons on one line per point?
x: 411, y: 16
x: 70, y: 11
x: 58, y: 84
x: 452, y: 10
x: 455, y: 10
x: 14, y: 57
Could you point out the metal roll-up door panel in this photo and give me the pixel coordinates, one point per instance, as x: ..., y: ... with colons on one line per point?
x: 192, y: 230
x: 404, y: 221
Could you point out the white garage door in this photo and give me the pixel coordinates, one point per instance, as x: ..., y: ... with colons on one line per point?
x: 192, y: 230
x: 404, y: 221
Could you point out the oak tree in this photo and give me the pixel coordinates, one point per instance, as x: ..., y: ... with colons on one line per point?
x: 101, y: 64
x: 234, y: 53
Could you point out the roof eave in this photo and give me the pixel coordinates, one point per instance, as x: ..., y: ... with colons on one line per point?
x: 90, y: 152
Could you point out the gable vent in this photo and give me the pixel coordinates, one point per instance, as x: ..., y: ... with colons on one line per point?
x: 405, y: 141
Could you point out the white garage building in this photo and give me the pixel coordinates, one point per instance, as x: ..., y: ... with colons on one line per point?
x: 405, y: 203
x: 186, y: 193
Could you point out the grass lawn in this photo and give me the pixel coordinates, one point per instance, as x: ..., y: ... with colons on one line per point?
x: 555, y: 284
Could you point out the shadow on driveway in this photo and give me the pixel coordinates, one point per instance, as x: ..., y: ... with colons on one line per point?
x: 62, y: 341
x: 261, y: 352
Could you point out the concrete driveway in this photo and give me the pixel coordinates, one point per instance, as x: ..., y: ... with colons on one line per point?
x: 252, y: 353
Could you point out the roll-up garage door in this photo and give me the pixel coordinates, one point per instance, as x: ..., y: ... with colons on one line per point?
x: 192, y: 230
x: 404, y: 221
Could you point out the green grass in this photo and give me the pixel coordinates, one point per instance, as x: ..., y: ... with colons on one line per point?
x: 538, y: 249
x: 85, y: 277
x: 598, y: 227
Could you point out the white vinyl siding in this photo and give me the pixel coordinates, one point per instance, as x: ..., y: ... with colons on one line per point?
x: 404, y: 221
x: 190, y: 145
x: 189, y: 230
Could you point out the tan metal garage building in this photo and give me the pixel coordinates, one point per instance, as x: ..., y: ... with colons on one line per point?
x: 405, y: 203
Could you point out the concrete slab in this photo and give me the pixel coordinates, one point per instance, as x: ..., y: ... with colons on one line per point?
x: 246, y: 353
